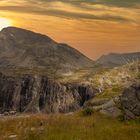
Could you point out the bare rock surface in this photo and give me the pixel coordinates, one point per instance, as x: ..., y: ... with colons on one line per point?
x: 130, y: 101
x: 40, y: 94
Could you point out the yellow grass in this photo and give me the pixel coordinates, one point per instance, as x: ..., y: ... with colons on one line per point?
x: 69, y: 127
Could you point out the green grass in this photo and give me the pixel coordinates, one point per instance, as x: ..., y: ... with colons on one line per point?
x: 110, y: 92
x: 69, y: 127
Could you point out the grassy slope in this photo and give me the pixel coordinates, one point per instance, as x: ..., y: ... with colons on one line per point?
x: 69, y: 127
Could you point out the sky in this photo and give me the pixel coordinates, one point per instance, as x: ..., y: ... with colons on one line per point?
x: 94, y: 27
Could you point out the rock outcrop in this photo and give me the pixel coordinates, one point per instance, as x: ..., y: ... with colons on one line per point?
x: 105, y: 106
x: 40, y: 94
x: 130, y: 101
x: 127, y: 104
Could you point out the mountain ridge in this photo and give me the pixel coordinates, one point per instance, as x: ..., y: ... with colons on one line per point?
x: 118, y: 59
x: 24, y: 48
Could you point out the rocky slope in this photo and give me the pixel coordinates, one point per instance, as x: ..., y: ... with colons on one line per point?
x: 126, y: 105
x: 116, y: 59
x: 104, y: 78
x: 119, y: 91
x: 39, y: 94
x: 21, y: 48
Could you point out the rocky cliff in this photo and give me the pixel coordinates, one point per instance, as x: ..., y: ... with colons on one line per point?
x: 39, y: 94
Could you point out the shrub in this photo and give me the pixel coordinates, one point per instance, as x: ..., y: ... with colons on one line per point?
x: 87, y: 112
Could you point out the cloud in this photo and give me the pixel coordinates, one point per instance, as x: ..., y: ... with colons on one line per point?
x: 117, y: 3
x: 92, y: 26
x: 64, y: 14
x: 73, y: 9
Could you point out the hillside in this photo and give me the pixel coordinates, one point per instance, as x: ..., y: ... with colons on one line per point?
x: 106, y: 80
x: 116, y: 59
x: 21, y: 48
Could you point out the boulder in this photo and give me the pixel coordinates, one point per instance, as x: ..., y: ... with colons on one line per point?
x: 111, y: 111
x: 12, y: 112
x: 130, y: 101
x: 95, y: 102
x: 6, y: 113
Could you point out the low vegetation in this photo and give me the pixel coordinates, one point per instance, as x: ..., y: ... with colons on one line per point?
x: 87, y: 112
x: 110, y: 92
x: 68, y: 127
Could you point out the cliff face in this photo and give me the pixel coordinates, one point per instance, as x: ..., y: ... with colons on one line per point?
x: 39, y: 94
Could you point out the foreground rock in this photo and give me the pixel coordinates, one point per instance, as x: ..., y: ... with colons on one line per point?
x: 39, y: 94
x: 105, y: 106
x: 130, y: 101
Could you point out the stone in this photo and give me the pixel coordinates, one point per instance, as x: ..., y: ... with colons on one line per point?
x: 13, y: 136
x: 109, y: 104
x: 95, y: 102
x: 112, y: 111
x: 32, y: 93
x: 6, y: 113
x: 12, y: 112
x: 130, y: 101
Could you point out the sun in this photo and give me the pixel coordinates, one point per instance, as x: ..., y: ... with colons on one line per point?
x: 4, y: 22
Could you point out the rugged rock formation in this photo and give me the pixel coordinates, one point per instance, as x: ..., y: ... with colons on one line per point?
x: 127, y: 104
x: 39, y: 94
x: 105, y: 106
x: 130, y: 101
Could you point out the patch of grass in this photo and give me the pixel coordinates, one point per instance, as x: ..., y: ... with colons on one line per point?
x: 87, y: 112
x: 69, y: 127
x: 110, y: 92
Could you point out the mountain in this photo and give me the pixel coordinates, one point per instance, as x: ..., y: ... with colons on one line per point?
x: 21, y: 48
x: 116, y: 59
x: 25, y: 51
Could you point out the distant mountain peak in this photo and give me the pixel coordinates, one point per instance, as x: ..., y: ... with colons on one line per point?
x: 118, y: 59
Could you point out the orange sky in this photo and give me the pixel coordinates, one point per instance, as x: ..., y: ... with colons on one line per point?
x: 93, y: 27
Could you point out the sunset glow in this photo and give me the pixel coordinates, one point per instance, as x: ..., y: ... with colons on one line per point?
x: 4, y: 23
x: 94, y: 27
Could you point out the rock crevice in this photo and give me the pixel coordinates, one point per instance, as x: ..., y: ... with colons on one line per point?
x: 40, y: 94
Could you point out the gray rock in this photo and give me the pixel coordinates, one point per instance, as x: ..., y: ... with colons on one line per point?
x: 95, y: 102
x: 109, y: 104
x: 12, y: 112
x: 6, y: 113
x: 112, y: 111
x: 108, y: 107
x: 40, y: 94
x: 129, y: 115
x: 130, y: 101
x: 13, y: 136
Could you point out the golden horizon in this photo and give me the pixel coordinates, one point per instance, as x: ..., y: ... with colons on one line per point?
x: 92, y: 28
